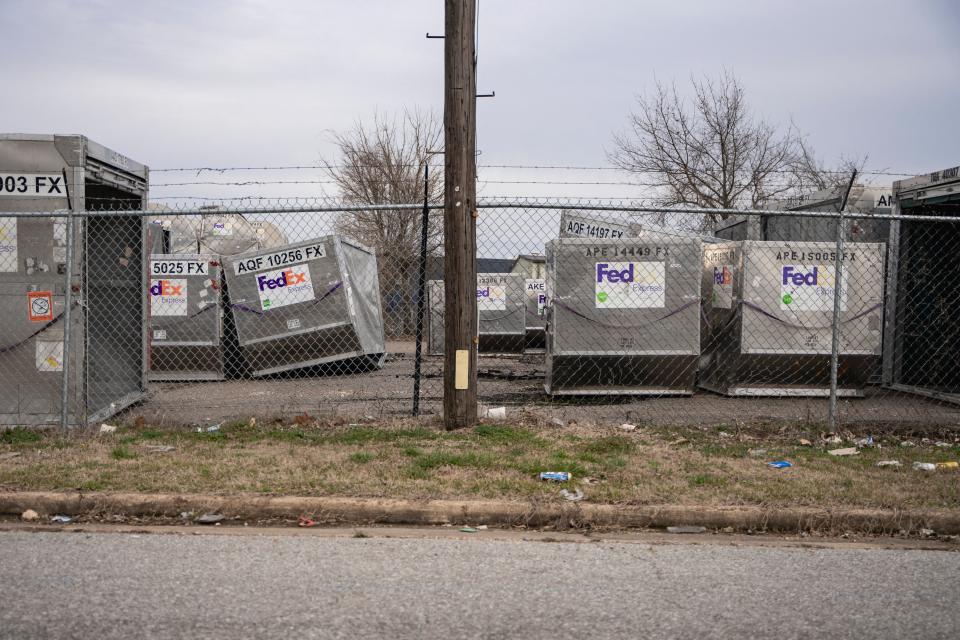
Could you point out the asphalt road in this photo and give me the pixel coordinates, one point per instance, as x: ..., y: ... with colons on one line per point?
x: 95, y: 585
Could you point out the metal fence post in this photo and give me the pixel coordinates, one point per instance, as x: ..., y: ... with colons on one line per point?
x: 421, y: 283
x: 837, y: 299
x: 67, y: 324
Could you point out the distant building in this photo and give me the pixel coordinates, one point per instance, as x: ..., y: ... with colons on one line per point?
x: 531, y: 265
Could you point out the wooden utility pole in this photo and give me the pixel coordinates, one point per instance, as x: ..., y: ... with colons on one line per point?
x: 459, y: 217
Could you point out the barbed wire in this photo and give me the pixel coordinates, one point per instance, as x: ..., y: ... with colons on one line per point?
x: 874, y: 172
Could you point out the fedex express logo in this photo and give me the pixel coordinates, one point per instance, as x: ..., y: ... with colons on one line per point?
x: 288, y: 278
x: 793, y: 275
x: 722, y: 276
x: 168, y: 297
x: 630, y: 285
x: 491, y: 298
x: 285, y: 286
x: 809, y: 288
x: 167, y: 288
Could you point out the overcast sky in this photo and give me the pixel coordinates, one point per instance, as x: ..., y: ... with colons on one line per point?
x: 232, y: 83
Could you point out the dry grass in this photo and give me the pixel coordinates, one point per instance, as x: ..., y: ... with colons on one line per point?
x: 713, y: 466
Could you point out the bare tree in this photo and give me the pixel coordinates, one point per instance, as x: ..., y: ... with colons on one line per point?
x: 383, y: 162
x: 809, y: 174
x: 711, y: 152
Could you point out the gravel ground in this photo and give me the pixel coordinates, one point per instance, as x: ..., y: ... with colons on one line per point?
x: 516, y: 382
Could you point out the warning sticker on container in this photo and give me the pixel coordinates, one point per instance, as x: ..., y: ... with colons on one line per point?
x: 630, y: 285
x: 49, y: 356
x: 40, y: 306
x: 723, y: 287
x: 168, y: 297
x: 537, y: 289
x: 809, y: 288
x: 285, y: 287
x: 8, y: 244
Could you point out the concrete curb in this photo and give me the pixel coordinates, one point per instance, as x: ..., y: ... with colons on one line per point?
x: 561, y: 515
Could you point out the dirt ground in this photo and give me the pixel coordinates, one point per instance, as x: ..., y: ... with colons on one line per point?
x: 511, y: 381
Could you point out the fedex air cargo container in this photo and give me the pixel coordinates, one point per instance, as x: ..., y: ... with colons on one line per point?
x: 501, y: 312
x: 310, y: 303
x: 186, y: 330
x: 623, y: 316
x: 769, y: 306
x: 922, y: 333
x: 60, y: 173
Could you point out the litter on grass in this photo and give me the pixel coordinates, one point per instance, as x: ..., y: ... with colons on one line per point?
x: 889, y: 463
x: 780, y: 464
x: 686, y: 529
x: 849, y: 451
x: 572, y: 496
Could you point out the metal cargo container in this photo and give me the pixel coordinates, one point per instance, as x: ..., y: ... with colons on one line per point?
x: 185, y: 317
x: 535, y: 315
x: 501, y: 314
x: 199, y: 344
x: 623, y: 316
x: 575, y: 224
x: 769, y: 307
x: 42, y: 173
x: 779, y: 225
x: 309, y: 303
x: 922, y: 332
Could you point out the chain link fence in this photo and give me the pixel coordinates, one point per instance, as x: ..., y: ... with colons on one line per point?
x: 588, y: 311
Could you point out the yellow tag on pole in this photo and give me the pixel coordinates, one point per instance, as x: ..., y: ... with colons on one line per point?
x: 462, y: 373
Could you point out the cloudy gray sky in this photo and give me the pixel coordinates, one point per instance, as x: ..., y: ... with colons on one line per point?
x: 234, y: 83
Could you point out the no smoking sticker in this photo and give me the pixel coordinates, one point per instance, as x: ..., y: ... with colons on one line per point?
x: 40, y: 306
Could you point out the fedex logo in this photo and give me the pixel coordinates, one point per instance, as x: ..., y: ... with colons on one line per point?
x: 287, y: 278
x: 166, y: 288
x: 791, y: 275
x: 613, y: 275
x: 722, y: 276
x: 483, y: 293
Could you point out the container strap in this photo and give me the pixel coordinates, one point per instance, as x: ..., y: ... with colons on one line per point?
x: 686, y: 305
x: 772, y: 316
x: 330, y: 292
x: 49, y: 324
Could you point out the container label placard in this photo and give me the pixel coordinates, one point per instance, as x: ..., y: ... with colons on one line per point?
x: 49, y: 355
x: 491, y: 294
x: 179, y: 267
x: 285, y: 287
x: 32, y: 185
x: 537, y: 289
x: 809, y: 288
x: 723, y: 287
x: 168, y: 297
x: 8, y: 244
x: 586, y: 228
x: 630, y: 285
x: 40, y: 306
x: 279, y: 259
